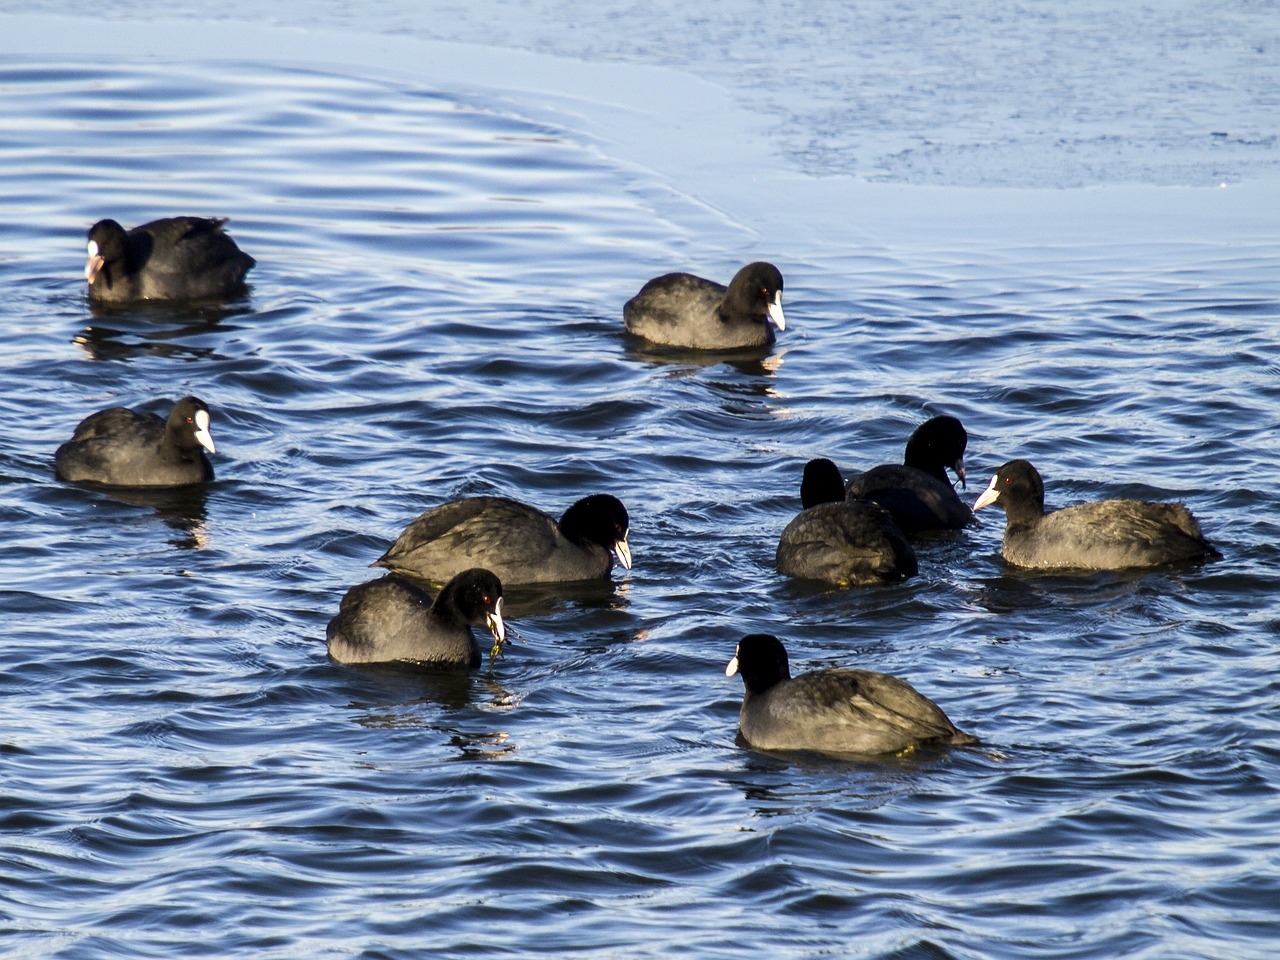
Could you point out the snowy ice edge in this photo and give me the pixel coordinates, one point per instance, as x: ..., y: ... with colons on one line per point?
x: 662, y: 119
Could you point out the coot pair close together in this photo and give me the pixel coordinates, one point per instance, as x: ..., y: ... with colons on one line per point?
x: 476, y: 545
x: 858, y: 534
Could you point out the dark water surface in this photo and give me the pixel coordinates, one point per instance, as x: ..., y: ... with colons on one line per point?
x: 437, y: 313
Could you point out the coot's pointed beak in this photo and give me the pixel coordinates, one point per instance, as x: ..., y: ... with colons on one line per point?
x: 203, y: 436
x: 493, y: 620
x: 622, y: 551
x: 731, y: 667
x: 95, y: 263
x: 989, y: 496
x: 775, y: 312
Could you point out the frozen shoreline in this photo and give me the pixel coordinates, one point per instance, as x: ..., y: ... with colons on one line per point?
x: 664, y: 120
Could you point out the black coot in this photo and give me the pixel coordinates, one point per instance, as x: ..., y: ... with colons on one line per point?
x: 842, y: 542
x: 835, y: 711
x: 395, y: 619
x: 917, y: 492
x: 129, y: 448
x: 1103, y: 535
x: 178, y: 258
x: 519, y: 543
x: 681, y: 310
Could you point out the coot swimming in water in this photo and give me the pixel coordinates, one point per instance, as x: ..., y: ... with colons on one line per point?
x: 177, y: 258
x: 1103, y: 535
x: 129, y: 448
x: 917, y: 491
x: 395, y: 619
x: 519, y: 543
x: 681, y: 310
x: 842, y: 542
x: 836, y: 711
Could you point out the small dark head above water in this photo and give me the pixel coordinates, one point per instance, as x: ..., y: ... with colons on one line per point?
x: 131, y: 448
x: 177, y: 258
x: 938, y: 445
x: 821, y: 483
x: 835, y: 711
x: 1102, y: 535
x: 681, y: 310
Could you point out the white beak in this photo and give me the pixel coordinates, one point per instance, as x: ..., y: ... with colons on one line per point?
x: 775, y: 312
x: 989, y: 496
x: 202, y: 431
x: 494, y: 622
x: 731, y: 667
x: 623, y: 552
x: 95, y: 262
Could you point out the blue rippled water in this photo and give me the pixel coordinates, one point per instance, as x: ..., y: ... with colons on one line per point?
x: 437, y: 313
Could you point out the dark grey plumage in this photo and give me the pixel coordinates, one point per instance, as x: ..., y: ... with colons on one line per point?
x: 395, y: 619
x: 1103, y: 535
x: 681, y: 310
x: 835, y: 711
x: 917, y: 492
x: 131, y: 448
x: 519, y: 543
x: 177, y: 258
x: 842, y: 543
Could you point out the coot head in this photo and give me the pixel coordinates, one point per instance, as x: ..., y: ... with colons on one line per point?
x: 188, y: 421
x: 599, y: 518
x: 821, y: 483
x: 1017, y: 487
x: 475, y: 596
x: 106, y: 245
x: 936, y: 445
x: 756, y: 290
x: 762, y: 660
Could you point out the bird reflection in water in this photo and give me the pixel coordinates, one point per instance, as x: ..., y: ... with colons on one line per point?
x: 436, y: 689
x: 158, y: 330
x: 183, y: 509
